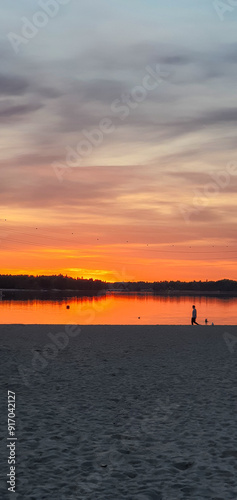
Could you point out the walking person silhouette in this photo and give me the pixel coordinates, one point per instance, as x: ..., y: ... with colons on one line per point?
x: 194, y: 316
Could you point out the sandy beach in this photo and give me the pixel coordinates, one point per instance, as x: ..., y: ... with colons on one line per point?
x: 116, y: 412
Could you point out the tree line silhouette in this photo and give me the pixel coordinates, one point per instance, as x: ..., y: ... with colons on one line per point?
x: 60, y: 282
x: 220, y: 286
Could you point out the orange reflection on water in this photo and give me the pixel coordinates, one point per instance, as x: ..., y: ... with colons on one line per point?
x: 120, y: 309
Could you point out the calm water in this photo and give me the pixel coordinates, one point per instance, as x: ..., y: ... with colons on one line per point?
x: 120, y: 309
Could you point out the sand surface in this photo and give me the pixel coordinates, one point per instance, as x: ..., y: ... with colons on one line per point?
x: 116, y: 412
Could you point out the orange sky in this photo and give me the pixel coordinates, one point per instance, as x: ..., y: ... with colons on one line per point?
x: 119, y: 148
x: 118, y: 224
x: 110, y: 256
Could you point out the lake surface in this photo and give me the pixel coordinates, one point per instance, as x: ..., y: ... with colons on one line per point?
x: 120, y: 309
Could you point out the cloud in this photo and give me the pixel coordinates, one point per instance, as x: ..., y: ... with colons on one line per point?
x: 49, y: 92
x: 12, y: 85
x: 9, y: 111
x: 65, y: 80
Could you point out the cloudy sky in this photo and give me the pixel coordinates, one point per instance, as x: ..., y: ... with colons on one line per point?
x: 118, y: 134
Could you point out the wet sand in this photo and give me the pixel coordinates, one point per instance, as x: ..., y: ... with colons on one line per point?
x: 121, y: 412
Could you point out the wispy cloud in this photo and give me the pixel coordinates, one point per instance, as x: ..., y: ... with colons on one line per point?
x: 64, y: 81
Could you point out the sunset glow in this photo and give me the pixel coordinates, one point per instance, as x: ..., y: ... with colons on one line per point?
x: 118, y: 153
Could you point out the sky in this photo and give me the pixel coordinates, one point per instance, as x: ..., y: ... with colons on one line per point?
x: 118, y: 139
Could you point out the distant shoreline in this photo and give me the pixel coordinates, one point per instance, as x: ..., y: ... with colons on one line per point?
x: 7, y: 293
